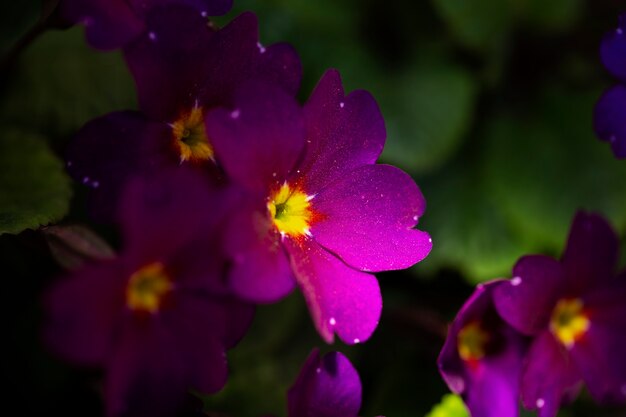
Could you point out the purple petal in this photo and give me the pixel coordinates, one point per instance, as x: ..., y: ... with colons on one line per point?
x: 368, y: 217
x: 169, y: 61
x: 326, y: 387
x: 613, y: 50
x: 259, y: 141
x: 489, y: 386
x: 526, y: 302
x: 109, y: 150
x: 260, y: 269
x: 549, y: 376
x: 83, y: 311
x: 341, y: 300
x: 599, y: 354
x: 205, y: 7
x: 109, y: 24
x: 591, y: 254
x: 610, y: 119
x: 343, y: 132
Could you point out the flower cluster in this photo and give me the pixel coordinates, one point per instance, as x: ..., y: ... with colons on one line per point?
x: 227, y: 193
x: 539, y: 336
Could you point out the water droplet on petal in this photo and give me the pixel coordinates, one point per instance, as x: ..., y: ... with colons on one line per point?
x: 85, y: 180
x: 235, y: 114
x: 515, y: 281
x: 540, y: 402
x: 332, y: 321
x: 342, y: 104
x: 152, y: 36
x: 356, y: 341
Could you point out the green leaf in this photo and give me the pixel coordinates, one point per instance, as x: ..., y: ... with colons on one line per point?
x: 555, y: 15
x: 477, y: 24
x: 450, y: 406
x: 60, y: 83
x: 427, y: 114
x: 544, y: 163
x: 16, y: 18
x: 34, y: 189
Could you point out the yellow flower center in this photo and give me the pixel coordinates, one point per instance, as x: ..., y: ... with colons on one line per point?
x: 147, y: 287
x: 190, y: 138
x: 290, y: 209
x: 569, y: 322
x: 472, y: 341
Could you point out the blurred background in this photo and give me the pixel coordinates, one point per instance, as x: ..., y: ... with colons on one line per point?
x: 488, y: 104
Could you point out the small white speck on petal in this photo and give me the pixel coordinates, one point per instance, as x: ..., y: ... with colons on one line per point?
x: 318, y: 370
x: 619, y: 31
x: 332, y: 321
x: 612, y: 138
x: 540, y: 403
x: 261, y: 47
x: 342, y: 104
x: 356, y: 341
x: 204, y: 13
x: 95, y: 184
x: 69, y: 163
x: 310, y: 197
x: 430, y: 240
x: 235, y: 114
x: 85, y: 180
x: 152, y: 36
x: 515, y: 281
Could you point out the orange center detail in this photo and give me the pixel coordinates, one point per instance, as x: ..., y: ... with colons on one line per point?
x: 190, y: 138
x: 147, y: 287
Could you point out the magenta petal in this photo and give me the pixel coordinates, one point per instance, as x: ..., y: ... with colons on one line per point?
x: 259, y: 141
x: 341, y: 300
x: 368, y: 217
x: 83, y: 311
x: 109, y: 150
x: 343, y: 132
x: 613, y: 50
x: 109, y: 24
x: 591, y: 254
x: 204, y: 7
x: 169, y: 62
x: 526, y: 302
x: 599, y: 354
x: 609, y: 119
x: 549, y: 376
x: 260, y: 269
x: 326, y: 387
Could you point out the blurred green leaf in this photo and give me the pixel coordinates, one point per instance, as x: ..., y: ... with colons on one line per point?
x: 16, y: 18
x: 427, y: 114
x: 34, y: 189
x: 60, y: 83
x: 555, y: 15
x: 544, y: 163
x: 450, y: 406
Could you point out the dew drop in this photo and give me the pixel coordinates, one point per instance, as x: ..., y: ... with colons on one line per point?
x: 261, y: 47
x: 540, y: 403
x: 152, y: 36
x: 415, y: 218
x: 85, y: 180
x: 318, y: 370
x: 356, y: 341
x: 619, y: 31
x: 95, y: 184
x: 235, y: 114
x: 342, y: 104
x: 515, y: 281
x: 204, y: 13
x: 332, y: 321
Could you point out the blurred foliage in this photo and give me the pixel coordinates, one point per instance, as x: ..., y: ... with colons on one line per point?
x: 450, y: 406
x: 487, y: 103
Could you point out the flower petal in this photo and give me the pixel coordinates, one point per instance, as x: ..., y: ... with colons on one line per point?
x: 206, y: 7
x: 341, y: 300
x: 613, y: 50
x: 592, y: 251
x: 343, y: 132
x: 259, y: 141
x: 610, y: 119
x: 368, y: 217
x: 326, y: 387
x: 549, y: 376
x: 526, y: 302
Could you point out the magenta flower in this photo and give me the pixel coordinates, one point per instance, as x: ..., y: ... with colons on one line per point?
x: 576, y: 311
x: 111, y: 24
x: 482, y: 357
x: 326, y: 387
x: 157, y: 320
x: 610, y: 111
x: 319, y: 211
x: 182, y: 69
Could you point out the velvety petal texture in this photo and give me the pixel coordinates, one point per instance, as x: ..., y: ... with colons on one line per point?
x: 488, y: 377
x: 613, y: 50
x: 326, y: 387
x: 609, y: 119
x: 157, y: 319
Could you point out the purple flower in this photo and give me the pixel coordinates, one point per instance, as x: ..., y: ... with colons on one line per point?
x: 576, y: 311
x: 157, y: 319
x: 326, y: 387
x: 182, y: 69
x: 482, y: 357
x: 319, y: 212
x: 610, y: 111
x: 111, y: 24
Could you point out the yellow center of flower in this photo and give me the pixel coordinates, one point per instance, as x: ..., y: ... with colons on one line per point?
x: 569, y: 322
x: 472, y: 342
x: 147, y: 287
x: 290, y: 209
x: 190, y: 138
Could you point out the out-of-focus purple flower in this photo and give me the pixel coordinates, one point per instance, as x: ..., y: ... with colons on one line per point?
x: 157, y: 319
x: 320, y: 212
x: 482, y: 357
x: 111, y: 24
x: 182, y: 68
x: 610, y: 111
x: 326, y: 387
x: 576, y: 311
